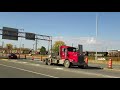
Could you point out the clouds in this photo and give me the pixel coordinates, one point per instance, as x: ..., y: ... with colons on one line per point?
x: 76, y: 40
x: 89, y: 43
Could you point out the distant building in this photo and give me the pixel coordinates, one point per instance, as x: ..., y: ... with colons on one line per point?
x: 93, y: 53
x: 114, y: 53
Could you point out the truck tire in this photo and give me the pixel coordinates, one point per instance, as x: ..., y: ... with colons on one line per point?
x: 45, y: 62
x: 67, y: 64
x: 49, y: 62
x: 85, y: 66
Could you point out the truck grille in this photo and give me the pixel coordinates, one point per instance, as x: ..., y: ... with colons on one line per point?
x: 80, y: 58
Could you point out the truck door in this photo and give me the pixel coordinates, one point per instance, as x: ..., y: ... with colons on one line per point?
x: 64, y: 53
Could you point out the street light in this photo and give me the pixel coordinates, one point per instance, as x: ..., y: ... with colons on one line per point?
x: 33, y: 47
x: 96, y: 34
x: 22, y: 45
x: 20, y: 40
x: 2, y: 44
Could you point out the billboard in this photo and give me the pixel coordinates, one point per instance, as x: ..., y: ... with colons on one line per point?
x: 10, y: 33
x: 30, y: 36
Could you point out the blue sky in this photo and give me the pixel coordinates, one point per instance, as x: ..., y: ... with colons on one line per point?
x: 71, y: 27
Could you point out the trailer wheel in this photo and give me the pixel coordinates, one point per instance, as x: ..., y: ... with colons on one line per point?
x: 67, y: 64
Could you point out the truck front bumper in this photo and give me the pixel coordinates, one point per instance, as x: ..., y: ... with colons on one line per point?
x: 78, y: 63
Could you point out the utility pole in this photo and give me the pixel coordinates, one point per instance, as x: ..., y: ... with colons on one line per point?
x: 15, y: 46
x: 72, y: 44
x: 22, y: 45
x: 3, y: 44
x: 20, y: 41
x: 51, y: 45
x: 33, y: 47
x: 96, y: 35
x: 36, y: 42
x: 48, y: 46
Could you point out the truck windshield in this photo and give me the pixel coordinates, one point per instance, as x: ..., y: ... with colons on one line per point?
x: 71, y: 49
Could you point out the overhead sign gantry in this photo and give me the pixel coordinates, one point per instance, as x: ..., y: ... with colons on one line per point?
x: 13, y: 34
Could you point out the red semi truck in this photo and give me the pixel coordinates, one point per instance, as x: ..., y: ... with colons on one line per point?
x: 68, y: 56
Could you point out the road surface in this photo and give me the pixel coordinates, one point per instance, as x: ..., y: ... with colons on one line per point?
x: 36, y: 69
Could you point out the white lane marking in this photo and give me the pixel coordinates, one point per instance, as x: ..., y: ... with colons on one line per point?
x: 4, y: 59
x: 24, y: 62
x: 13, y: 60
x: 59, y: 68
x: 21, y: 62
x: 29, y: 71
x: 37, y: 64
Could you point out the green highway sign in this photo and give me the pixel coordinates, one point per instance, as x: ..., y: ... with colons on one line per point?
x: 30, y: 36
x: 10, y: 33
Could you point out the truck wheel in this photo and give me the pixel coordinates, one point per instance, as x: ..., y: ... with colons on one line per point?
x: 49, y: 62
x: 67, y: 64
x: 45, y: 62
x: 83, y: 66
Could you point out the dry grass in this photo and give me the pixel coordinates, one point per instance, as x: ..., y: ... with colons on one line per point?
x: 107, y: 58
x: 115, y: 60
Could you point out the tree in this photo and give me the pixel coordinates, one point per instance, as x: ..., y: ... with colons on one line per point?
x: 56, y: 46
x: 43, y: 50
x: 15, y: 47
x: 9, y: 46
x: 26, y: 50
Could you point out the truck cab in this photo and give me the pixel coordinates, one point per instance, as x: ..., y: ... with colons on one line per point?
x: 72, y: 55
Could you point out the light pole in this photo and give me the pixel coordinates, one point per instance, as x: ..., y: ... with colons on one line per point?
x: 72, y: 44
x: 51, y: 45
x: 33, y: 47
x: 36, y: 42
x: 20, y: 40
x: 48, y: 45
x: 2, y: 44
x: 96, y: 34
x: 22, y: 45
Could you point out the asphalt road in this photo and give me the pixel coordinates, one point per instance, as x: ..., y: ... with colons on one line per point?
x: 36, y: 69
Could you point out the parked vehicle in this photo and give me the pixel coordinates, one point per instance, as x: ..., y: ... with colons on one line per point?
x: 12, y: 56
